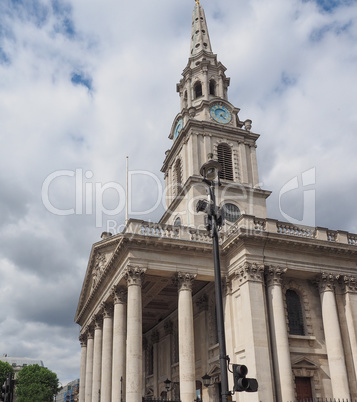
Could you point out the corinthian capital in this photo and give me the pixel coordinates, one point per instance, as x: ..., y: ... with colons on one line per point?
x: 326, y: 282
x: 119, y: 295
x: 184, y: 280
x: 134, y: 275
x: 348, y: 283
x: 250, y: 272
x: 274, y: 275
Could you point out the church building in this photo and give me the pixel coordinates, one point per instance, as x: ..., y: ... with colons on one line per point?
x: 147, y: 310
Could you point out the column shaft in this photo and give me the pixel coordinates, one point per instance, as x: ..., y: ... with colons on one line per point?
x: 107, y: 350
x: 186, y: 338
x: 279, y: 337
x: 333, y: 339
x: 89, y: 368
x: 97, y: 361
x: 134, y: 358
x: 82, y: 376
x: 119, y: 346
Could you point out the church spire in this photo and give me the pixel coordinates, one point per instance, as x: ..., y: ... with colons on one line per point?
x: 199, y: 34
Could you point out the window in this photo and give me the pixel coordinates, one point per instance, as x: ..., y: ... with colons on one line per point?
x: 230, y: 212
x: 224, y: 154
x: 295, y: 317
x: 212, y: 87
x: 198, y: 89
x: 151, y: 360
x: 178, y: 175
x: 177, y: 221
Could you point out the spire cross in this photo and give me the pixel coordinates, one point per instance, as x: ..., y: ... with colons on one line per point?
x: 197, y: 1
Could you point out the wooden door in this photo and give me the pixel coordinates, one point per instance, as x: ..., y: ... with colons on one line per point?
x: 303, y: 388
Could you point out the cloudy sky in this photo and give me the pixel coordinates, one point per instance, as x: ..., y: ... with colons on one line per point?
x: 85, y: 83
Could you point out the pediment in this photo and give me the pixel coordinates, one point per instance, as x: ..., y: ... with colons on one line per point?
x: 304, y: 362
x: 99, y: 260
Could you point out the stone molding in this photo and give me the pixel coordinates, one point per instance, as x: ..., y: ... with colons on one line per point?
x: 184, y: 280
x: 274, y: 275
x: 250, y: 272
x: 134, y: 275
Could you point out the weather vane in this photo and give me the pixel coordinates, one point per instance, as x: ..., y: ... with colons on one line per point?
x: 197, y: 1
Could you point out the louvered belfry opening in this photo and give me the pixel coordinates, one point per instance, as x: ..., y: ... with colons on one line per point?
x: 224, y: 153
x: 178, y: 174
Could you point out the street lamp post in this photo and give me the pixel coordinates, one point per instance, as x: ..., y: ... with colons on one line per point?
x: 210, y: 171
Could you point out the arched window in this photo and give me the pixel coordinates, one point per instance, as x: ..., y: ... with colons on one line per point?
x: 295, y: 317
x: 198, y: 89
x: 212, y: 87
x: 230, y: 212
x: 177, y: 221
x: 224, y: 154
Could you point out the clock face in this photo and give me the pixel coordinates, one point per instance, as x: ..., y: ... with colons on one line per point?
x: 221, y: 114
x: 178, y: 128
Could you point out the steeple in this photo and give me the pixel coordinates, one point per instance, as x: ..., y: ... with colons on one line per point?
x: 208, y: 123
x: 199, y: 32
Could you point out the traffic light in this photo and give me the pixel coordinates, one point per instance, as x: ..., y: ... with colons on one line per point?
x: 241, y: 382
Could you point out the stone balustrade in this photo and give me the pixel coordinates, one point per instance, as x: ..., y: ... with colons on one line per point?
x: 246, y: 223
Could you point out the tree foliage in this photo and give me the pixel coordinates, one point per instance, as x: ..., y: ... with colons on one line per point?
x: 5, y: 370
x: 36, y: 384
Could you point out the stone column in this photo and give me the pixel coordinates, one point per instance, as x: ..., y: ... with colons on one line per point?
x: 250, y: 307
x: 220, y: 85
x: 82, y: 377
x: 89, y: 365
x: 350, y: 290
x: 285, y: 387
x: 186, y: 337
x: 97, y: 359
x: 333, y: 339
x: 134, y: 357
x: 119, y: 344
x: 189, y: 92
x: 107, y: 350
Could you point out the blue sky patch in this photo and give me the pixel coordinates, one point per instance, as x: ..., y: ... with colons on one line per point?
x: 81, y: 79
x: 4, y: 59
x: 337, y: 29
x: 331, y: 5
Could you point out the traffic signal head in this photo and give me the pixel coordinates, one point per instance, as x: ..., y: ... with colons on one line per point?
x: 241, y: 383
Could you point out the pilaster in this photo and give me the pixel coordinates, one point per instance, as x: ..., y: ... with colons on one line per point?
x: 285, y: 387
x: 253, y: 328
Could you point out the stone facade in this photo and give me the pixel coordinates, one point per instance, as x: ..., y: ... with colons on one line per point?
x: 147, y: 306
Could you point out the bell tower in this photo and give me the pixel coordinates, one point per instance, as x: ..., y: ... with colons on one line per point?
x: 208, y: 126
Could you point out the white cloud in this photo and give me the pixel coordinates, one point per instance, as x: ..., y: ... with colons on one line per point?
x: 292, y: 68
